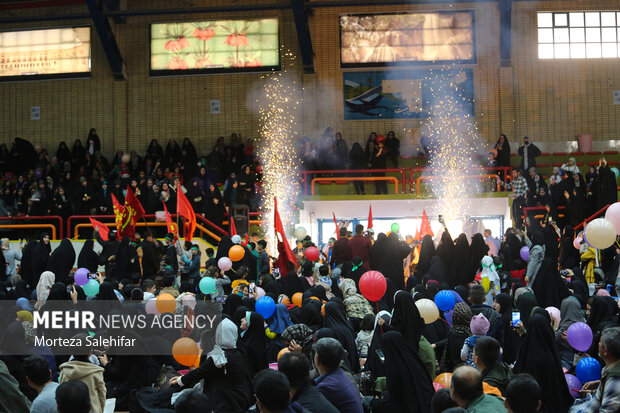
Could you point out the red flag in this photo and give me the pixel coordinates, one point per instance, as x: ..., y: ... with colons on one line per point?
x: 118, y: 210
x: 103, y: 229
x: 336, y: 224
x: 369, y: 216
x: 417, y: 234
x: 171, y: 226
x: 184, y: 208
x: 132, y: 212
x: 425, y: 227
x: 233, y: 229
x: 285, y: 254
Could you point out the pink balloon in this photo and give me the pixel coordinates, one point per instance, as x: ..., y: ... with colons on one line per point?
x: 577, y: 242
x: 224, y: 264
x: 189, y: 300
x: 260, y: 292
x: 151, y: 306
x: 554, y: 313
x: 437, y: 386
x: 613, y: 215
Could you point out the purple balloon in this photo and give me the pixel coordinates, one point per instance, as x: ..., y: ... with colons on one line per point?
x: 573, y: 384
x: 583, y: 235
x: 81, y: 276
x: 525, y: 253
x: 579, y: 336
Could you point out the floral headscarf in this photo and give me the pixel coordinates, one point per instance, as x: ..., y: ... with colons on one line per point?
x: 44, y: 286
x: 461, y: 318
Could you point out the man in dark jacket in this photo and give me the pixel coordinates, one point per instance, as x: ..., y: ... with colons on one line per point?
x: 392, y: 266
x: 150, y: 258
x: 360, y: 246
x: 341, y: 252
x: 528, y: 153
x: 296, y: 368
x: 486, y: 356
x: 477, y: 299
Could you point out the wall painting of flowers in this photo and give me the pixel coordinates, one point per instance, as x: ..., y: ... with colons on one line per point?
x: 215, y: 46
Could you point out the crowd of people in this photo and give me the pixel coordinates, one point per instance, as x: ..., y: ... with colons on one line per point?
x: 327, y: 348
x: 81, y: 181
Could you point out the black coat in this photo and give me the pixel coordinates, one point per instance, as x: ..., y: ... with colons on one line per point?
x: 62, y: 260
x: 150, y: 260
x: 391, y: 266
x: 532, y: 153
x: 88, y: 258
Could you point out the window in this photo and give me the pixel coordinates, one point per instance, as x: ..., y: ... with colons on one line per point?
x: 373, y: 40
x: 214, y: 46
x: 45, y: 53
x: 579, y: 35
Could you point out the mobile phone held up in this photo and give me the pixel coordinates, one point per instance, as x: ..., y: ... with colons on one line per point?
x: 516, y: 318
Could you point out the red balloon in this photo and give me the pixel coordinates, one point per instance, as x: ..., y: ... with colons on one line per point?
x: 373, y: 285
x: 312, y: 253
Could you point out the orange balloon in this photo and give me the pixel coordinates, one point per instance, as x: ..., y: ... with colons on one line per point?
x: 283, y: 351
x: 443, y: 379
x: 323, y: 310
x: 315, y: 298
x: 185, y: 351
x: 297, y: 297
x: 165, y: 303
x: 236, y: 253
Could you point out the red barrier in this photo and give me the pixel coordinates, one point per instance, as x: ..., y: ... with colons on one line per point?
x: 593, y: 216
x: 38, y: 218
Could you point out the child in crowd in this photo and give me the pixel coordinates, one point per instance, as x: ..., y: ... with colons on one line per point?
x: 479, y: 326
x: 364, y: 335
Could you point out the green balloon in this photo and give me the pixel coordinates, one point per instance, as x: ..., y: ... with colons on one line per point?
x: 91, y: 288
x: 395, y: 227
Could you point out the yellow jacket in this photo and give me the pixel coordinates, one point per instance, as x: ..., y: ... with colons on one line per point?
x: 590, y: 257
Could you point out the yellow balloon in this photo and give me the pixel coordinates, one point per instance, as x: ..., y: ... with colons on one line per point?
x: 428, y: 310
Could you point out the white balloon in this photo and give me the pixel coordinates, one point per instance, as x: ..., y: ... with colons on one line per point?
x: 600, y: 233
x: 613, y: 215
x: 428, y: 310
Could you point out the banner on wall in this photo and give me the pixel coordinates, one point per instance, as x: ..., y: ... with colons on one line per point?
x: 58, y: 52
x: 403, y: 94
x: 214, y: 46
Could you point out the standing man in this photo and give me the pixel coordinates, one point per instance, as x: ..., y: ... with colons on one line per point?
x: 360, y: 246
x: 341, y: 252
x: 492, y: 242
x: 519, y: 192
x: 528, y: 153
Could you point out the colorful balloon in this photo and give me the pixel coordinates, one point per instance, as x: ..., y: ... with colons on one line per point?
x: 443, y: 379
x: 297, y: 299
x: 189, y: 300
x: 185, y: 351
x: 81, y: 276
x: 312, y: 253
x: 613, y: 215
x: 265, y: 306
x: 236, y: 239
x: 300, y: 233
x: 588, y: 369
x: 616, y: 172
x: 524, y: 253
x: 260, y: 292
x: 207, y: 285
x: 579, y: 336
x: 577, y: 242
x: 224, y: 264
x: 281, y: 352
x: 236, y: 253
x: 428, y: 310
x: 372, y: 285
x: 166, y: 303
x: 151, y: 306
x: 395, y: 227
x: 573, y: 384
x: 554, y: 313
x: 91, y: 288
x: 445, y: 300
x: 600, y: 233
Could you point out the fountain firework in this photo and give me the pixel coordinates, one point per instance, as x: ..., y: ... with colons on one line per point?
x: 278, y: 106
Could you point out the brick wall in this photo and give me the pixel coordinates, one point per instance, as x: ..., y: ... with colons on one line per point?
x: 548, y: 100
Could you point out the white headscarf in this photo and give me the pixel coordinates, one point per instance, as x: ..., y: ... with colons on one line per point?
x: 488, y: 271
x: 44, y: 286
x: 225, y: 338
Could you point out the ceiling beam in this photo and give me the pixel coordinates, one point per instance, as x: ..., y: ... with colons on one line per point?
x: 303, y: 35
x: 108, y: 41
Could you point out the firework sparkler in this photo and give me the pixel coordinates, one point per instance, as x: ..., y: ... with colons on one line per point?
x: 279, y: 105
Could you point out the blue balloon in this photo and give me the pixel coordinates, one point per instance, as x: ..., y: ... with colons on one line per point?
x: 445, y: 300
x: 91, y: 288
x: 588, y: 369
x: 207, y: 285
x: 265, y: 306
